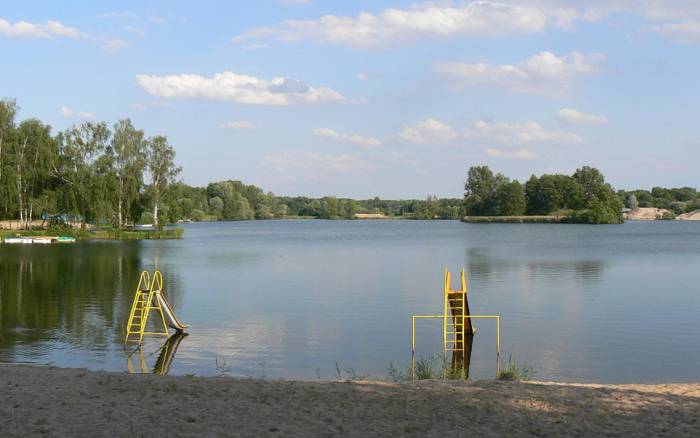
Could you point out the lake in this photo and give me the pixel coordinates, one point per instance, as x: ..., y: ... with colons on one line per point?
x: 291, y: 299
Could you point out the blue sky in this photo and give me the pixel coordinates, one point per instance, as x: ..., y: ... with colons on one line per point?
x: 382, y: 98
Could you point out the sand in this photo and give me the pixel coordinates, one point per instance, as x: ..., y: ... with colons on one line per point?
x: 691, y: 216
x: 645, y: 214
x: 44, y: 401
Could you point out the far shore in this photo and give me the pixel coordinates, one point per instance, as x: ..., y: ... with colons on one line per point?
x: 517, y: 219
x: 39, y: 400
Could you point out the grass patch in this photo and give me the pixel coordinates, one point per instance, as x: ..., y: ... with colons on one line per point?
x: 348, y: 374
x: 116, y: 234
x: 425, y: 368
x: 514, y: 372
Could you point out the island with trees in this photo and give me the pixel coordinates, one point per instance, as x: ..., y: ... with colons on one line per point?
x: 583, y: 197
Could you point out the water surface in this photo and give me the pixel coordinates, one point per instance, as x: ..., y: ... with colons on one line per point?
x: 617, y: 303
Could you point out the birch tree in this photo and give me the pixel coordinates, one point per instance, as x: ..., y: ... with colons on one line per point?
x: 8, y: 111
x: 129, y: 148
x: 162, y: 168
x: 81, y: 165
x: 34, y: 153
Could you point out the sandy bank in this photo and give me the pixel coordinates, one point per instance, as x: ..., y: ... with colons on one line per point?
x: 72, y: 402
x: 645, y: 214
x: 692, y: 216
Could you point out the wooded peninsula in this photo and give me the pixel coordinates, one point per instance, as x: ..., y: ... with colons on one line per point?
x: 113, y: 177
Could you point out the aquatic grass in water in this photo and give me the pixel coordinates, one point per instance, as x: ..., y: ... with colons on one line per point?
x: 514, y: 372
x: 425, y: 368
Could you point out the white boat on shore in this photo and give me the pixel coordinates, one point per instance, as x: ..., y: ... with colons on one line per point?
x: 18, y: 240
x: 43, y: 240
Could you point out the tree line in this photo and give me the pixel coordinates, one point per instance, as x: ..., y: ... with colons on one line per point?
x: 116, y: 175
x: 94, y: 173
x: 677, y: 200
x: 582, y: 197
x: 88, y: 172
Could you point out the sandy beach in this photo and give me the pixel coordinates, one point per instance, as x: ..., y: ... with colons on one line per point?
x: 45, y: 401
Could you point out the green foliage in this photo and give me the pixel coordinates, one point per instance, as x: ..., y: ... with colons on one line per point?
x: 197, y: 215
x: 480, y: 191
x: 677, y: 200
x: 146, y: 218
x: 509, y: 199
x: 585, y: 194
x: 631, y: 202
x: 160, y: 159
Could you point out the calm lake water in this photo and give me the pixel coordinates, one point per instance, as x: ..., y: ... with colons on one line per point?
x: 618, y: 303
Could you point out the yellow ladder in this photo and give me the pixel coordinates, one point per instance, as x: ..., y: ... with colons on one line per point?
x: 456, y: 319
x: 145, y: 302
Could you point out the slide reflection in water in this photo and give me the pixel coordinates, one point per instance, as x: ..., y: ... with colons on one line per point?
x: 163, y: 362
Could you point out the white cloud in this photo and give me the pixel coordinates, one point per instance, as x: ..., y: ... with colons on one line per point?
x: 51, y: 29
x: 346, y: 138
x: 573, y: 116
x: 239, y: 124
x: 69, y: 112
x: 517, y: 133
x: 520, y: 154
x: 433, y: 131
x: 296, y: 2
x: 473, y: 18
x: 428, y: 131
x: 113, y: 44
x: 135, y: 30
x: 311, y: 166
x: 55, y: 29
x: 651, y: 9
x: 685, y: 32
x: 362, y: 76
x: 476, y: 18
x: 233, y: 87
x: 86, y: 115
x: 677, y: 20
x: 542, y: 73
x: 154, y: 103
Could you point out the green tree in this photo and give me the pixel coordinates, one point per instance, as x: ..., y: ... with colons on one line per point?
x: 8, y: 112
x: 237, y: 208
x: 34, y: 156
x: 216, y: 206
x: 479, y: 190
x: 161, y: 165
x: 129, y: 148
x: 590, y: 179
x: 81, y: 167
x: 510, y: 199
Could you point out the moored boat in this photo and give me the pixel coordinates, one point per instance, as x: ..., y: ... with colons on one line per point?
x: 17, y: 240
x: 39, y: 239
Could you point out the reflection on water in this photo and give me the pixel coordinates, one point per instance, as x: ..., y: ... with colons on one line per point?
x: 461, y: 358
x: 584, y: 303
x: 166, y: 355
x: 483, y: 264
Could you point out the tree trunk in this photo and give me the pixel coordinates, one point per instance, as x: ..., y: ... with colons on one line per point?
x: 119, y: 202
x: 119, y: 211
x: 155, y: 213
x: 156, y: 198
x: 20, y: 160
x: 0, y: 160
